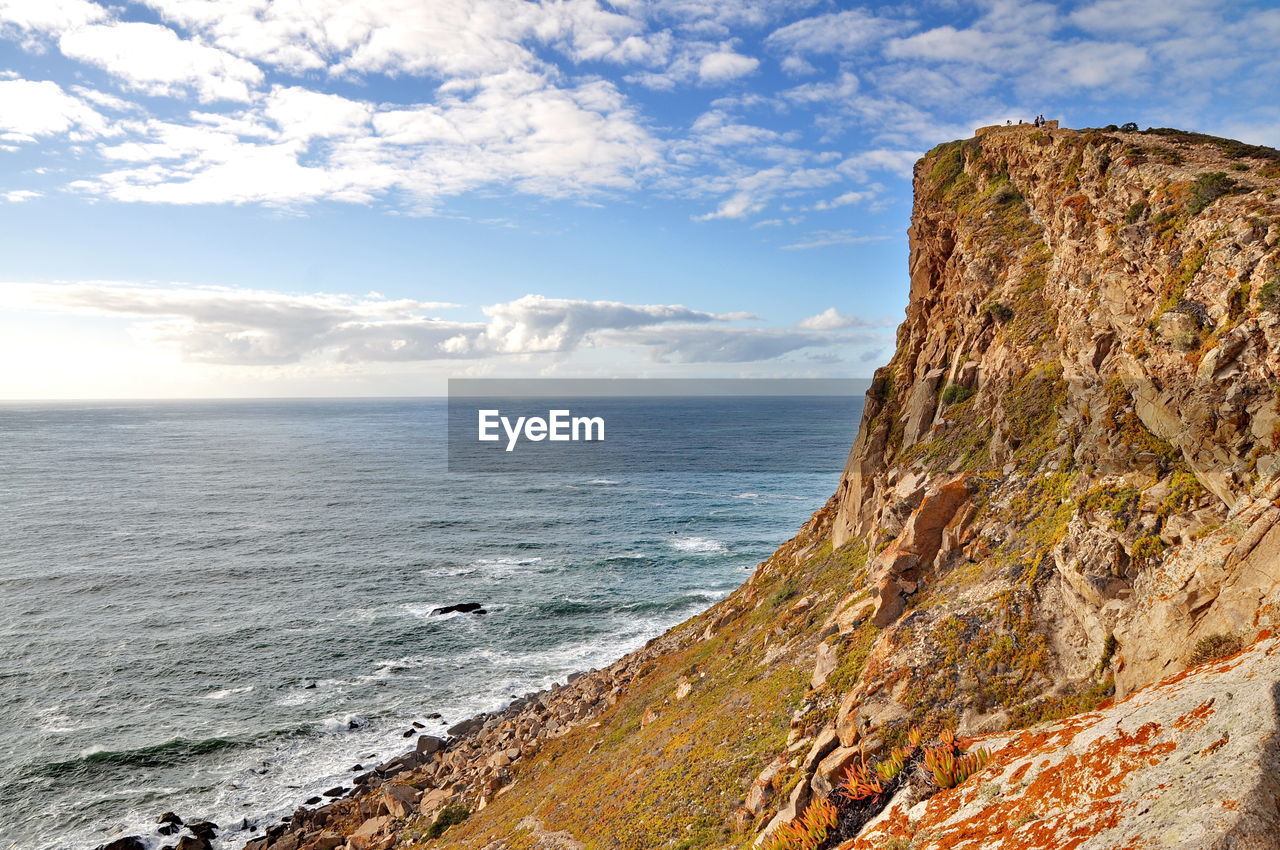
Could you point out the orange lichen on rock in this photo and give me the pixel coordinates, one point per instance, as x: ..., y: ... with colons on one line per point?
x: 1152, y: 765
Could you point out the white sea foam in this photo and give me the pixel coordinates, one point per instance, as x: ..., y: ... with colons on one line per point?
x: 228, y: 692
x: 603, y: 481
x: 699, y: 545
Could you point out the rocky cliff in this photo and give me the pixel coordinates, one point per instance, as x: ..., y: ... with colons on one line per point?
x: 1063, y: 490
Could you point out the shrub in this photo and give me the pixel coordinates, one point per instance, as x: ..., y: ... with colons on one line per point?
x: 1213, y: 647
x: 1135, y: 212
x: 1207, y: 189
x: 1129, y: 127
x: 449, y: 816
x: 787, y: 591
x: 1269, y: 295
x: 1000, y: 312
x: 956, y: 393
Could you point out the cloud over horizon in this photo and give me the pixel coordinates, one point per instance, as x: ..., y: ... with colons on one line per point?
x: 230, y: 326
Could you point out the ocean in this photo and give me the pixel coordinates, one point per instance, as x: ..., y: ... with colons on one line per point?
x: 219, y: 608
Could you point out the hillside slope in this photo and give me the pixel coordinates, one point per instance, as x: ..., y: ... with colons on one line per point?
x: 1063, y: 489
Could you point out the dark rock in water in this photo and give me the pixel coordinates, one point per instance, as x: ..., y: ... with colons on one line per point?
x: 335, y: 792
x: 408, y: 733
x: 356, y: 767
x: 354, y: 724
x: 362, y: 778
x: 169, y: 817
x: 462, y: 608
x: 245, y: 826
x: 429, y: 745
x: 194, y: 842
x: 204, y: 829
x: 417, y: 725
x: 309, y: 686
x: 311, y: 801
x: 435, y: 715
x: 129, y: 842
x: 169, y: 829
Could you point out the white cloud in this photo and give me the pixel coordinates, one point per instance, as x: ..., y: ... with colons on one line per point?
x: 827, y: 238
x: 31, y: 108
x: 844, y: 200
x: 17, y: 196
x: 840, y: 33
x: 832, y: 319
x: 155, y: 60
x: 725, y: 65
x: 245, y: 327
x: 49, y: 15
x: 514, y: 129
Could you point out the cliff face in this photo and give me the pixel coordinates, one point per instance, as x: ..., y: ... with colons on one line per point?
x: 1063, y: 490
x: 1092, y: 335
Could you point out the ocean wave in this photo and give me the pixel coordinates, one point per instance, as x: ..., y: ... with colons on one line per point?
x: 227, y: 692
x: 168, y: 754
x: 699, y: 545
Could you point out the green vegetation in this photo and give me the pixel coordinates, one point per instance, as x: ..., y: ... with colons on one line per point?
x: 1213, y: 647
x: 1231, y: 147
x: 956, y: 394
x: 1269, y: 295
x: 1208, y: 188
x: 450, y: 815
x: 1136, y: 211
x: 998, y: 311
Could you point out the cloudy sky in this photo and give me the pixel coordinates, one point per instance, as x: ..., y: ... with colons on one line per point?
x: 362, y: 197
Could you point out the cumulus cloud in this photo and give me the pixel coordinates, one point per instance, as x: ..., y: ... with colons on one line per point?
x: 245, y: 327
x: 725, y: 65
x: 297, y: 146
x: 31, y: 108
x: 155, y: 60
x: 17, y: 196
x: 844, y: 200
x: 48, y: 15
x: 832, y: 319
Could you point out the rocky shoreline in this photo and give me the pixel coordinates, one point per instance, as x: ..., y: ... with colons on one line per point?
x: 441, y: 781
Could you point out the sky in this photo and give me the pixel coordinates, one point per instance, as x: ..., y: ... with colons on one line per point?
x: 268, y: 198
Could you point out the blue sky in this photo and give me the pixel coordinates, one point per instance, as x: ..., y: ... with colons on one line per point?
x: 364, y: 197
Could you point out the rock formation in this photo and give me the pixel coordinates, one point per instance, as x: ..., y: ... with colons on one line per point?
x: 1063, y: 490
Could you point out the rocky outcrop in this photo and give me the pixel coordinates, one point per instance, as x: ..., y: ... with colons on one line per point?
x: 1188, y: 762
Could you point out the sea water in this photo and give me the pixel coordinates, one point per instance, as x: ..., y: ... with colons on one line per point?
x: 219, y: 608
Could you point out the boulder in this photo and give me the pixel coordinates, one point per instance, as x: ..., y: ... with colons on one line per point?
x: 193, y: 842
x: 400, y: 800
x: 847, y: 719
x: 370, y: 833
x: 204, y: 829
x: 323, y: 841
x: 824, y: 665
x: 831, y: 770
x: 466, y: 727
x: 129, y: 842
x: 761, y: 790
x: 433, y: 799
x: 429, y: 745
